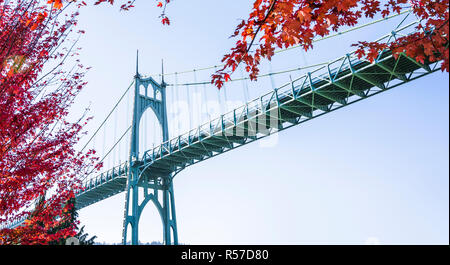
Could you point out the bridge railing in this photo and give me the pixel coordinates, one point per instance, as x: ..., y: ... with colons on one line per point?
x: 105, y: 176
x: 329, y: 71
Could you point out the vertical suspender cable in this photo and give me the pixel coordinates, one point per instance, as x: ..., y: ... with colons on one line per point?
x: 218, y: 96
x: 198, y: 108
x: 205, y: 99
x: 244, y: 87
x: 118, y: 157
x: 155, y: 130
x: 171, y: 111
x: 178, y: 105
x: 93, y: 141
x: 189, y: 106
x: 225, y: 96
x: 115, y: 136
x: 128, y: 120
x: 144, y: 144
x: 271, y: 76
x: 104, y: 141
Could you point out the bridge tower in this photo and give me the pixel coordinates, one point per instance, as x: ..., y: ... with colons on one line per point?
x: 138, y: 178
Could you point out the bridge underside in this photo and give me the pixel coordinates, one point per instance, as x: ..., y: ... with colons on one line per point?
x: 338, y: 84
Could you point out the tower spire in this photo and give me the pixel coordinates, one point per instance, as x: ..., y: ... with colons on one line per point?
x: 162, y: 71
x: 137, y: 62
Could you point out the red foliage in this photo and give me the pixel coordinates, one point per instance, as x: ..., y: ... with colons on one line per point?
x: 284, y: 23
x: 129, y: 4
x: 37, y: 158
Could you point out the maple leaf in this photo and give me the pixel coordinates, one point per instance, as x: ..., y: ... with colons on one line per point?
x: 294, y: 22
x: 32, y: 156
x: 165, y: 21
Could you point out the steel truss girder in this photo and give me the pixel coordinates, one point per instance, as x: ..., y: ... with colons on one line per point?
x: 223, y: 132
x: 190, y: 154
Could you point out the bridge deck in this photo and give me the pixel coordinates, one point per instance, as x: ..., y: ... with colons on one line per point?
x: 335, y: 85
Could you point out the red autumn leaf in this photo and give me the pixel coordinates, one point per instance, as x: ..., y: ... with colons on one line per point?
x: 284, y: 23
x: 34, y: 157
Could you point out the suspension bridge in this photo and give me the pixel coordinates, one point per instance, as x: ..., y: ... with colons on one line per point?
x: 147, y: 174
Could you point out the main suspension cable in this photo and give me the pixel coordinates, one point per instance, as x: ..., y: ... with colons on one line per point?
x: 107, y: 117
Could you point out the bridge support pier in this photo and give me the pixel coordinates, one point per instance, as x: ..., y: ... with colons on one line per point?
x: 139, y: 174
x: 165, y: 207
x: 169, y: 217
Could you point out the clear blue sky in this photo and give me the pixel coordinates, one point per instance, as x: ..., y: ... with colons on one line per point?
x: 375, y: 171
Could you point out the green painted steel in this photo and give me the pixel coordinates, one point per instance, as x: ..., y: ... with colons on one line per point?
x: 137, y: 175
x: 342, y: 82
